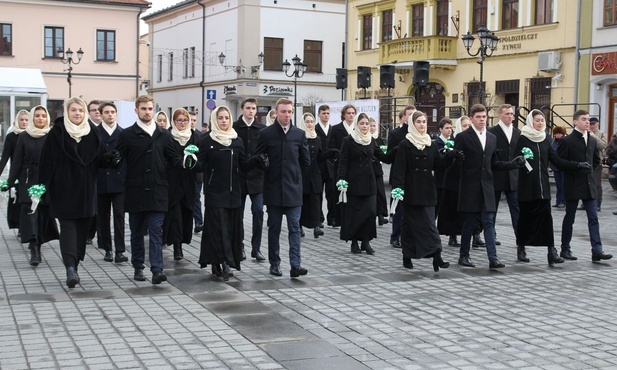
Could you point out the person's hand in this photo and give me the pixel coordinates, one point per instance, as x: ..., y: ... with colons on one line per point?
x: 265, y: 162
x: 455, y: 154
x: 113, y: 158
x: 518, y: 162
x: 585, y: 167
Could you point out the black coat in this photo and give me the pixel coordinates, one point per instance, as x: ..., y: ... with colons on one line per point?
x: 288, y: 155
x: 181, y: 180
x: 146, y: 178
x: 25, y: 165
x: 377, y: 169
x: 111, y: 180
x: 336, y: 135
x: 311, y: 176
x: 199, y: 176
x: 9, y: 147
x: 439, y: 173
x: 69, y: 170
x: 506, y: 180
x: 253, y: 180
x: 394, y: 138
x: 577, y: 185
x: 222, y: 168
x: 535, y: 185
x: 356, y: 167
x: 323, y: 137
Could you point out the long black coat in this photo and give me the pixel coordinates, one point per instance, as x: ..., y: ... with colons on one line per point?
x: 181, y: 180
x: 535, y: 185
x: 377, y: 169
x: 288, y: 155
x: 394, y: 139
x: 323, y: 137
x: 222, y: 168
x: 356, y: 167
x: 25, y: 165
x: 506, y: 180
x: 146, y: 178
x: 577, y: 185
x: 9, y: 147
x: 439, y: 173
x: 336, y: 135
x: 253, y: 180
x: 69, y: 170
x: 311, y: 176
x: 111, y: 180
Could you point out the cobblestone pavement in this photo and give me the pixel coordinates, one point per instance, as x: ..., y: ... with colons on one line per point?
x: 349, y: 312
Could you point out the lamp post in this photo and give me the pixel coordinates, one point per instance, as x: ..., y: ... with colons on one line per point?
x: 69, y: 60
x: 240, y: 68
x: 298, y: 72
x: 488, y: 44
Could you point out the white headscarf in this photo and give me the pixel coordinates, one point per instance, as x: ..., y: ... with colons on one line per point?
x: 15, y: 128
x: 83, y: 128
x: 458, y: 125
x: 530, y: 132
x: 356, y: 135
x: 182, y: 137
x: 374, y: 135
x: 269, y: 120
x: 218, y: 135
x: 310, y: 134
x: 418, y: 140
x: 156, y: 116
x: 34, y: 131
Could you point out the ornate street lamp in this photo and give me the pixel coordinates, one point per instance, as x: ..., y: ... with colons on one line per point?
x: 298, y: 72
x: 488, y: 44
x: 70, y: 61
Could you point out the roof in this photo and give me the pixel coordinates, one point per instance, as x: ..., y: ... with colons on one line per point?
x: 22, y: 80
x: 140, y: 3
x: 169, y: 8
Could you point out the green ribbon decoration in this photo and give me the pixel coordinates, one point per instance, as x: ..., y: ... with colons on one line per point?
x: 189, y: 153
x: 527, y: 153
x: 342, y: 186
x: 384, y: 148
x: 36, y: 192
x: 397, y: 194
x: 449, y: 144
x: 4, y: 185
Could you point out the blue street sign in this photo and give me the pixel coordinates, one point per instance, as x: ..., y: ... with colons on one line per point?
x: 210, y: 104
x: 211, y: 94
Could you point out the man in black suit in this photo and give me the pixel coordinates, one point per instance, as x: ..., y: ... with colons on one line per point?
x: 287, y: 150
x: 394, y: 138
x: 327, y: 184
x: 95, y: 117
x: 506, y: 182
x: 445, y: 132
x: 476, y: 189
x: 580, y: 146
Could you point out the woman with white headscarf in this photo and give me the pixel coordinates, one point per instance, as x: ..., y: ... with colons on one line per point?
x: 271, y: 117
x: 162, y: 120
x: 535, y: 226
x: 19, y: 126
x: 416, y: 159
x: 35, y: 228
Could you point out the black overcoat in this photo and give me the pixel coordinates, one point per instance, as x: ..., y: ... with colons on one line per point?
x: 356, y: 167
x: 25, y: 165
x: 146, y: 178
x: 336, y: 135
x: 506, y: 180
x: 578, y: 185
x: 222, y: 172
x: 439, y: 174
x: 181, y: 180
x: 253, y: 180
x: 9, y: 147
x: 395, y: 137
x: 311, y: 176
x: 111, y: 180
x: 323, y: 137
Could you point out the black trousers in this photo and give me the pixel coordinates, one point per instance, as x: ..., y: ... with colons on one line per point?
x: 73, y: 235
x: 105, y: 202
x: 92, y: 226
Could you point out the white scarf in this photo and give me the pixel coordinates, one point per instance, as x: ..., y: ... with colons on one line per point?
x: 418, y: 140
x: 506, y: 130
x: 34, y: 131
x: 375, y: 135
x: 458, y: 126
x: 351, y: 127
x: 110, y: 130
x: 222, y: 137
x: 15, y: 128
x: 182, y: 137
x: 156, y: 116
x: 310, y: 133
x: 356, y: 135
x: 80, y: 130
x: 530, y: 132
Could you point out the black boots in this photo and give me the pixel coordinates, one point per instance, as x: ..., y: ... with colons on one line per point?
x: 355, y: 249
x: 366, y: 246
x: 72, y: 278
x: 317, y: 232
x: 478, y: 242
x: 178, y: 255
x: 439, y: 262
x: 553, y: 257
x: 35, y: 254
x: 453, y: 242
x: 381, y: 220
x: 521, y: 255
x: 226, y: 272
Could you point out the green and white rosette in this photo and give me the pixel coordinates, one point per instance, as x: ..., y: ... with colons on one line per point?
x: 342, y: 186
x: 527, y: 154
x: 398, y: 195
x: 4, y: 186
x: 384, y: 148
x: 449, y: 145
x: 36, y: 192
x: 189, y: 156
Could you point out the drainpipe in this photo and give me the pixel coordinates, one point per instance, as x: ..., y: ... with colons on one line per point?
x: 141, y: 10
x: 203, y: 63
x: 344, y: 91
x: 577, y: 52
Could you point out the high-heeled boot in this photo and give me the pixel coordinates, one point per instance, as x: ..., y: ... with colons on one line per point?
x: 35, y: 254
x: 355, y: 249
x: 553, y: 257
x: 438, y: 262
x: 178, y: 255
x: 72, y: 278
x: 521, y: 255
x: 366, y: 246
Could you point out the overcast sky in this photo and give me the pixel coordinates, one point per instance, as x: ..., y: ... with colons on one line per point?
x: 156, y: 6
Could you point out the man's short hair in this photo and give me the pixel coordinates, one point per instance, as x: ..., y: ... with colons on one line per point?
x: 476, y: 108
x: 323, y: 108
x: 282, y: 101
x: 444, y: 121
x: 594, y: 120
x: 107, y: 104
x: 143, y: 99
x: 347, y: 106
x: 404, y: 111
x: 193, y: 113
x: 248, y: 100
x: 94, y: 102
x: 504, y: 107
x: 579, y: 113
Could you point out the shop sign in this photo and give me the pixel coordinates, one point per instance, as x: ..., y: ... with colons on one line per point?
x: 276, y: 90
x: 604, y: 63
x: 515, y: 42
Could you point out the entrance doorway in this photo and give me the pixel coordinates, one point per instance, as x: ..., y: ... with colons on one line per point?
x: 430, y: 100
x: 612, y: 110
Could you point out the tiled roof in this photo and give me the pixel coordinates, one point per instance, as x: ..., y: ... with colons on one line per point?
x: 143, y: 3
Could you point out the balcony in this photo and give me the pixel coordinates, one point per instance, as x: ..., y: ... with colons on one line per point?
x: 418, y: 48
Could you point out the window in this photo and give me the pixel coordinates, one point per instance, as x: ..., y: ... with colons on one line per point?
x: 539, y: 92
x: 312, y: 55
x: 273, y: 54
x: 544, y: 13
x: 6, y: 39
x: 610, y: 12
x: 185, y: 63
x: 193, y: 61
x: 386, y: 26
x: 442, y: 17
x: 54, y: 40
x: 367, y: 32
x: 160, y: 66
x: 171, y: 67
x: 105, y: 45
x: 479, y: 14
x: 417, y: 20
x: 509, y: 15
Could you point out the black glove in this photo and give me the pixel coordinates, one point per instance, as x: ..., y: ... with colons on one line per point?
x: 113, y: 158
x: 584, y: 167
x: 518, y: 162
x: 332, y: 153
x: 264, y: 161
x: 455, y: 154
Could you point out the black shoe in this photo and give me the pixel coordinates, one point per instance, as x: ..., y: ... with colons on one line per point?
x: 466, y: 261
x: 567, y: 255
x: 495, y: 264
x: 198, y: 228
x: 497, y: 242
x: 72, y: 278
x: 355, y: 249
x: 216, y: 270
x: 243, y: 257
x: 120, y: 257
x: 276, y: 271
x: 381, y: 220
x: 599, y: 208
x: 88, y: 241
x: 258, y: 256
x: 297, y: 271
x: 158, y: 277
x: 521, y: 255
x: 35, y: 254
x: 366, y: 246
x: 395, y: 244
x: 596, y: 257
x: 321, y: 225
x: 438, y: 262
x: 178, y: 255
x: 478, y: 242
x: 302, y: 234
x: 553, y: 257
x: 139, y: 275
x: 453, y: 242
x: 334, y: 225
x: 109, y: 256
x: 615, y: 212
x: 226, y: 272
x: 407, y: 263
x: 317, y: 232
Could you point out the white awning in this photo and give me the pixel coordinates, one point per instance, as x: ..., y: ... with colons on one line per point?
x: 22, y: 80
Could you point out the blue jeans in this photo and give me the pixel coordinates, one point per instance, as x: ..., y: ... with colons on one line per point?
x: 257, y: 209
x: 512, y: 198
x: 559, y: 184
x: 275, y: 218
x: 138, y: 221
x: 471, y: 220
x: 592, y: 224
x: 397, y: 220
x: 197, y: 213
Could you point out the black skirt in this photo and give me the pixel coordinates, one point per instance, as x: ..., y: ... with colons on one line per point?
x: 13, y: 211
x: 178, y: 224
x: 535, y: 224
x: 450, y: 221
x: 221, y: 240
x: 419, y: 236
x: 382, y: 202
x: 38, y: 226
x: 358, y: 218
x: 311, y: 210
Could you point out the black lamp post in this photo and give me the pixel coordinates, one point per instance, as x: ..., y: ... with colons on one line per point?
x: 298, y: 72
x: 240, y: 68
x: 488, y: 44
x: 69, y: 60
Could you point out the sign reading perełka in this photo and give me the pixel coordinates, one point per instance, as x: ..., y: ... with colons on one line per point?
x: 276, y: 90
x: 604, y: 63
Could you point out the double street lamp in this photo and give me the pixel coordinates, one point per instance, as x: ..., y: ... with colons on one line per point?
x: 297, y: 72
x: 69, y: 60
x: 488, y: 44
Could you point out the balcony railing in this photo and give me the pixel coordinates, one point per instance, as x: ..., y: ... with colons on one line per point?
x: 418, y: 48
